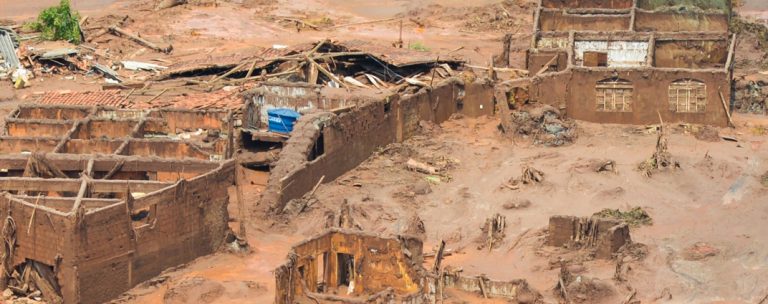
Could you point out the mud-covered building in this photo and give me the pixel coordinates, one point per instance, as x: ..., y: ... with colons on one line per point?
x: 95, y: 200
x: 631, y: 61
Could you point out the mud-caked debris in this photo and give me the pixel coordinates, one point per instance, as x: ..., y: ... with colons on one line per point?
x: 706, y: 133
x: 600, y: 237
x: 661, y: 158
x: 544, y: 125
x: 493, y: 232
x: 517, y: 204
x: 636, y: 216
x: 700, y: 251
x: 764, y: 179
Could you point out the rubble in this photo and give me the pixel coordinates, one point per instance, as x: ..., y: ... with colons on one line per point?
x: 543, y: 125
x: 661, y: 158
x: 601, y: 237
x: 634, y: 217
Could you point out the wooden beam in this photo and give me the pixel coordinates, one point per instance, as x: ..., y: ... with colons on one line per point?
x: 80, y: 194
x: 76, y: 162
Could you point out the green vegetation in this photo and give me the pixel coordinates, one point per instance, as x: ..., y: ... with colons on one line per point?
x: 58, y: 23
x: 635, y: 217
x: 418, y: 46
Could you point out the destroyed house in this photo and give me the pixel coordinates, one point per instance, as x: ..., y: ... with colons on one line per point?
x: 97, y: 200
x: 356, y: 266
x: 634, y: 61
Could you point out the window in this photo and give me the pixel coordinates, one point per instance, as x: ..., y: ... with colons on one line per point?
x: 687, y: 96
x: 614, y: 95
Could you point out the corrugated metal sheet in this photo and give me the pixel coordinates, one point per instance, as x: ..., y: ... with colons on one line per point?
x: 8, y: 50
x: 620, y: 53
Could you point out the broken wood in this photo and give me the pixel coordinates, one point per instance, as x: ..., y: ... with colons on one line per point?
x: 546, y: 65
x: 230, y: 72
x: 439, y: 257
x: 32, y: 217
x: 518, y: 239
x: 119, y: 31
x: 630, y: 297
x: 727, y: 110
x: 564, y: 293
x: 115, y: 169
x: 301, y: 22
x: 355, y: 82
x: 325, y: 72
x: 157, y: 96
x: 319, y: 182
x: 481, y: 282
x: 418, y: 166
x: 364, y: 22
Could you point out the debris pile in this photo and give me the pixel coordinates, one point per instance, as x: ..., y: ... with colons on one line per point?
x: 634, y: 217
x: 661, y: 158
x: 581, y: 289
x: 529, y: 176
x: 493, y: 232
x: 601, y: 237
x: 544, y: 125
x: 764, y: 179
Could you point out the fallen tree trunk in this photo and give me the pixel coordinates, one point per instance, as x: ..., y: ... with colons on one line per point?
x: 142, y: 41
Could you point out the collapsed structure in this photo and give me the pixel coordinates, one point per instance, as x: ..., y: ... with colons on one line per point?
x: 96, y: 200
x: 628, y: 61
x: 349, y: 266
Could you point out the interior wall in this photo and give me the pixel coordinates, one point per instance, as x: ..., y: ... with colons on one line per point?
x: 612, y: 4
x: 691, y: 54
x: 680, y: 22
x: 556, y: 21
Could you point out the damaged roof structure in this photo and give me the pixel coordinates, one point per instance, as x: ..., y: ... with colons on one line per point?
x: 634, y: 62
x: 96, y: 200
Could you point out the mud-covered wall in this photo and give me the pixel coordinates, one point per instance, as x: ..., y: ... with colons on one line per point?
x: 92, y: 146
x: 165, y: 149
x: 184, y: 222
x: 105, y: 129
x: 42, y: 237
x: 612, y: 4
x: 680, y: 22
x: 691, y: 54
x: 351, y: 137
x: 557, y: 21
x: 49, y: 128
x: 12, y: 145
x: 650, y: 95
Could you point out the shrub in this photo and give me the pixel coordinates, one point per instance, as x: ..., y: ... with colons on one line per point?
x: 59, y: 23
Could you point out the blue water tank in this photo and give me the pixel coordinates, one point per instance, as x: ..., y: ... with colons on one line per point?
x: 281, y: 120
